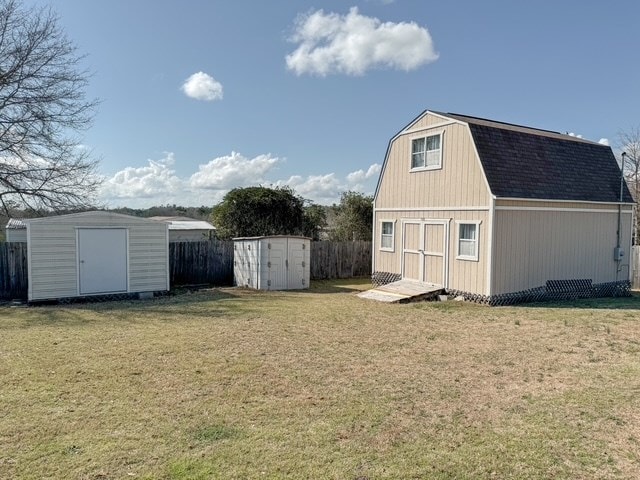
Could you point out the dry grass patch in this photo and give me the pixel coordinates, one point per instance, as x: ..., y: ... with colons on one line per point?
x: 320, y: 384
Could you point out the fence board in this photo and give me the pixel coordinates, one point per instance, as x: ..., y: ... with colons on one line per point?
x: 13, y: 270
x: 196, y: 263
x: 635, y: 265
x: 340, y: 259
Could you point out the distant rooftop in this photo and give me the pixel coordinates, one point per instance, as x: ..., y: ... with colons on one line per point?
x: 184, y: 223
x: 15, y: 224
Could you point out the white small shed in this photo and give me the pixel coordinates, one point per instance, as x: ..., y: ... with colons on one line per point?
x: 185, y: 229
x: 15, y: 231
x: 272, y: 263
x: 96, y: 253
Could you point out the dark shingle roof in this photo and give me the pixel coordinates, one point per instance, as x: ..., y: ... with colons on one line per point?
x: 523, y: 162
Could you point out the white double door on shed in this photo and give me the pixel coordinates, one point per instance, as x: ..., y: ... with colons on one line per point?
x: 102, y: 260
x: 425, y: 251
x: 286, y: 264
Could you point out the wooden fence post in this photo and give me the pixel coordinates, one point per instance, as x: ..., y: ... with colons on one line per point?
x: 635, y: 267
x: 13, y: 270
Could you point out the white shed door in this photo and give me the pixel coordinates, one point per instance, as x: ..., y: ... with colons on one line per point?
x: 102, y: 257
x: 297, y: 264
x: 277, y: 266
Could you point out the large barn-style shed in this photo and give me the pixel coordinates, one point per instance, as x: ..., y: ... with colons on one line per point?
x: 95, y: 253
x: 501, y: 213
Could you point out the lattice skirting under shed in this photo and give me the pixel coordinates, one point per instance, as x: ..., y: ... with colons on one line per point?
x: 111, y: 297
x: 571, y: 290
x: 382, y: 278
x: 554, y: 290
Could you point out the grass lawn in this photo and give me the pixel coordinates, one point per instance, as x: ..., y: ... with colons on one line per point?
x: 228, y: 383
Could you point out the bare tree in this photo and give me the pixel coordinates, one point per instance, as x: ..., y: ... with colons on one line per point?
x: 43, y: 107
x: 629, y: 143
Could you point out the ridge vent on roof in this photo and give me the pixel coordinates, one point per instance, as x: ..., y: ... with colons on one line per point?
x: 487, y: 122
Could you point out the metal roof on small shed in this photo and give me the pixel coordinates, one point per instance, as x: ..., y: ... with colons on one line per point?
x: 272, y: 236
x: 184, y: 223
x: 16, y: 224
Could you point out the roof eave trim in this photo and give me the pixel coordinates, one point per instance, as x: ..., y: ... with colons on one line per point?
x: 521, y: 199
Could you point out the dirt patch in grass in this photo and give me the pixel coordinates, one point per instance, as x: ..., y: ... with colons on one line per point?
x: 235, y: 383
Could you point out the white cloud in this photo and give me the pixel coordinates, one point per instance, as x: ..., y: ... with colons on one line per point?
x: 326, y: 189
x: 157, y: 178
x: 571, y: 134
x: 361, y: 175
x: 604, y: 141
x: 233, y: 171
x: 323, y: 189
x: 353, y: 43
x: 202, y: 86
x: 157, y: 183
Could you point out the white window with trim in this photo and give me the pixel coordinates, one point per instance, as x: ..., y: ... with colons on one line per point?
x: 468, y: 233
x: 426, y: 152
x: 387, y: 237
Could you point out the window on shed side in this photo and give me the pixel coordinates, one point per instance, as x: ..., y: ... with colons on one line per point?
x: 386, y: 239
x: 468, y: 241
x: 426, y: 152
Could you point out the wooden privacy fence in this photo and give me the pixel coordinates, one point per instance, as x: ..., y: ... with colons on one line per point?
x: 195, y: 263
x: 198, y: 263
x: 635, y: 267
x: 13, y: 270
x: 340, y: 260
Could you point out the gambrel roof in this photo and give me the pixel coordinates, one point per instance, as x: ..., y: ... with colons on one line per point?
x: 529, y: 163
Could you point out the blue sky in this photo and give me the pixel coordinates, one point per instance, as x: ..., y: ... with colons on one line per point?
x: 357, y: 72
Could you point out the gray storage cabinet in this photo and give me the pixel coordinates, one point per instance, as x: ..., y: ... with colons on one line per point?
x: 272, y: 263
x: 96, y: 253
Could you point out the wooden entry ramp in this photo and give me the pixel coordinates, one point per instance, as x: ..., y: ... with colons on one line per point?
x: 403, y: 291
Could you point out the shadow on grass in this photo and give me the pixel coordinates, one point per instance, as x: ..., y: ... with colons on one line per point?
x: 203, y: 304
x: 180, y: 304
x: 345, y: 285
x: 609, y: 303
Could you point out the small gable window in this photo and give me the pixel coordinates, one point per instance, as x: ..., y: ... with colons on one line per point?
x: 426, y: 152
x: 386, y: 238
x: 468, y: 241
